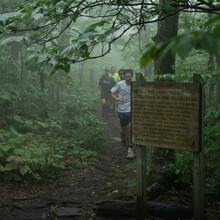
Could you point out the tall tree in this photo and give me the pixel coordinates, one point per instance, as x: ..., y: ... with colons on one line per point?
x: 167, y: 28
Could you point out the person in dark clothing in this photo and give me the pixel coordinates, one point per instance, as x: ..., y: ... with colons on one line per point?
x: 121, y: 74
x: 105, y: 84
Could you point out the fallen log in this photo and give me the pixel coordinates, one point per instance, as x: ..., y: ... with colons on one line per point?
x: 154, y: 209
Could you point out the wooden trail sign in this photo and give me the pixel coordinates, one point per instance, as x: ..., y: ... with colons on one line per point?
x: 166, y: 115
x: 169, y: 115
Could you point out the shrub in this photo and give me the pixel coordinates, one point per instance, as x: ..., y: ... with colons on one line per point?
x: 23, y: 154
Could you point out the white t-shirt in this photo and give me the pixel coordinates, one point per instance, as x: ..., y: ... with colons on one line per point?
x: 122, y: 89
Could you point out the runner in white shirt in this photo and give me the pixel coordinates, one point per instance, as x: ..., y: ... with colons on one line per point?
x: 121, y: 92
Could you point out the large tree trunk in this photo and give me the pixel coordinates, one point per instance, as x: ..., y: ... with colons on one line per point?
x: 167, y: 28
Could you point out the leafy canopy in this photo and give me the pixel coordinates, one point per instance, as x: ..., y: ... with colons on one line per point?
x: 42, y: 23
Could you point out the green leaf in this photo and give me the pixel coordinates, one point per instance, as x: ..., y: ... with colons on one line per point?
x: 66, y: 68
x: 30, y: 9
x: 85, y: 51
x: 13, y: 131
x: 101, y: 38
x: 70, y: 49
x: 58, y: 18
x: 17, y: 118
x: 216, y: 31
x: 158, y: 8
x: 42, y: 57
x: 11, y: 166
x: 74, y: 17
x: 168, y: 8
x: 164, y: 48
x: 7, y: 134
x: 37, y: 16
x: 36, y: 176
x: 208, y: 41
x: 84, y: 38
x: 111, y: 31
x: 1, y: 136
x: 213, y: 20
x: 123, y: 19
x: 6, y: 16
x: 146, y: 58
x: 92, y: 27
x: 44, y: 125
x: 28, y: 122
x: 7, y: 148
x: 53, y: 61
x: 185, y: 44
x: 152, y: 54
x: 5, y: 96
x: 24, y: 169
x: 13, y: 39
x: 35, y: 48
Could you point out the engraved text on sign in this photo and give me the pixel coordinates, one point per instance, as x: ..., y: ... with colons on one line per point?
x: 166, y: 115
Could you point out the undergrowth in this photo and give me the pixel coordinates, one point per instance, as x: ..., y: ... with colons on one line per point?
x: 70, y: 138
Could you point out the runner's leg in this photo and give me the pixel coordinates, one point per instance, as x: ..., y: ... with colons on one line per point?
x: 108, y: 106
x: 103, y: 101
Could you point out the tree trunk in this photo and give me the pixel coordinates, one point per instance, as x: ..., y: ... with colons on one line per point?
x: 92, y: 80
x: 218, y: 93
x: 15, y: 51
x: 217, y: 98
x: 22, y: 65
x: 167, y: 29
x: 42, y: 84
x: 148, y: 71
x: 81, y: 73
x: 59, y: 96
x: 211, y: 68
x: 24, y: 108
x: 51, y: 90
x: 44, y: 113
x: 211, y: 84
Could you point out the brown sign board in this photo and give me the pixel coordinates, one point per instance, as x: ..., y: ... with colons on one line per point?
x: 166, y: 115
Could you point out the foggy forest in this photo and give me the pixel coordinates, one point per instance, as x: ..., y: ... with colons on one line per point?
x: 62, y: 154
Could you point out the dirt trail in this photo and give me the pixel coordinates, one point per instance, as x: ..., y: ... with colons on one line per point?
x: 72, y: 195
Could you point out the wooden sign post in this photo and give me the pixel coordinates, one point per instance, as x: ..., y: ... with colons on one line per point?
x: 168, y: 115
x: 198, y: 177
x: 141, y: 182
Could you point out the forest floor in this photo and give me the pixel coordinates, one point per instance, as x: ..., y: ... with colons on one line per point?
x: 73, y: 194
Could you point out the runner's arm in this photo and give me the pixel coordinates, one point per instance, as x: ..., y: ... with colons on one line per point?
x: 116, y: 97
